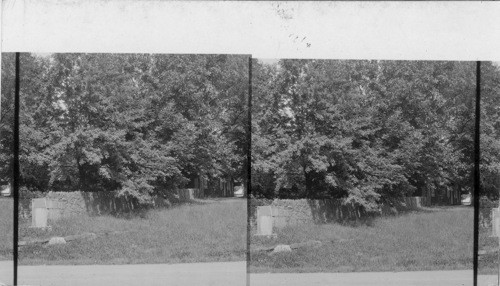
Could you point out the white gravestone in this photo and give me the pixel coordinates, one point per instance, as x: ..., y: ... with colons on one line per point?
x: 265, y: 225
x: 264, y: 220
x: 495, y: 222
x: 39, y: 213
x: 282, y: 248
x: 57, y: 240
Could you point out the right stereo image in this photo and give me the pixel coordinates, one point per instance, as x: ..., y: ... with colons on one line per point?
x: 363, y: 172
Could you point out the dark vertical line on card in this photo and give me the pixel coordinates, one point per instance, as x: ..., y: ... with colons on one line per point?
x: 477, y: 183
x: 15, y: 187
x: 249, y: 164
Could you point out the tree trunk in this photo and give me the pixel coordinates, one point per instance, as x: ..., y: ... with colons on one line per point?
x: 308, y: 183
x: 245, y: 186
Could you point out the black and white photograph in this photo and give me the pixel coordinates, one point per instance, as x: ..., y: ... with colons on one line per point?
x: 489, y: 220
x: 6, y: 174
x: 128, y: 160
x: 364, y: 166
x: 257, y: 143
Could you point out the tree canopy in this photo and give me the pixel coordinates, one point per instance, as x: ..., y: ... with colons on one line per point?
x: 134, y: 124
x: 367, y: 131
x: 140, y: 125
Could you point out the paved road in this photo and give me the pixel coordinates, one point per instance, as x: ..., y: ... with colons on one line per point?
x: 195, y: 274
x: 225, y: 273
x: 487, y: 280
x: 6, y: 272
x: 420, y: 278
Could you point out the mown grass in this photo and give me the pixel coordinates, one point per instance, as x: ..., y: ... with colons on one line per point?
x: 6, y: 228
x: 188, y: 233
x: 488, y: 249
x: 433, y: 240
x: 488, y: 262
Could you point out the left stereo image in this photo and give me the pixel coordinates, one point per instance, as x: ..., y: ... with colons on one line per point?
x: 6, y: 169
x: 132, y: 169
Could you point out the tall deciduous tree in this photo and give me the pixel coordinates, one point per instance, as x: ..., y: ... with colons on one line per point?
x: 135, y: 125
x: 490, y: 129
x: 7, y: 117
x: 364, y: 131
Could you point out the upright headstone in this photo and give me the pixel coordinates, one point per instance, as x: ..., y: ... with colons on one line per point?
x: 39, y: 213
x: 264, y: 220
x: 495, y: 221
x: 265, y: 225
x: 264, y: 211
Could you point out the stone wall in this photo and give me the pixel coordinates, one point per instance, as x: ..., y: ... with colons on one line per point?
x: 287, y: 212
x: 65, y: 204
x: 302, y: 211
x: 69, y: 203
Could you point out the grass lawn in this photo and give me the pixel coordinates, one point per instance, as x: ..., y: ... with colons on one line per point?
x: 438, y: 239
x: 6, y: 228
x: 488, y: 261
x: 189, y: 233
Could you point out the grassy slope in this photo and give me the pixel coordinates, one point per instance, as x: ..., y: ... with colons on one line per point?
x: 189, y: 233
x: 488, y: 263
x: 441, y: 239
x: 6, y: 228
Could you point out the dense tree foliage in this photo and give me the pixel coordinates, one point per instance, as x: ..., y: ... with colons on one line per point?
x: 7, y: 118
x: 140, y: 125
x: 367, y: 131
x: 490, y: 129
x: 136, y: 125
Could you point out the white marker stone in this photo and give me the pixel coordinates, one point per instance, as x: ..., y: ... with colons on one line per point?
x: 39, y: 213
x: 57, y: 240
x: 282, y: 248
x: 265, y: 225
